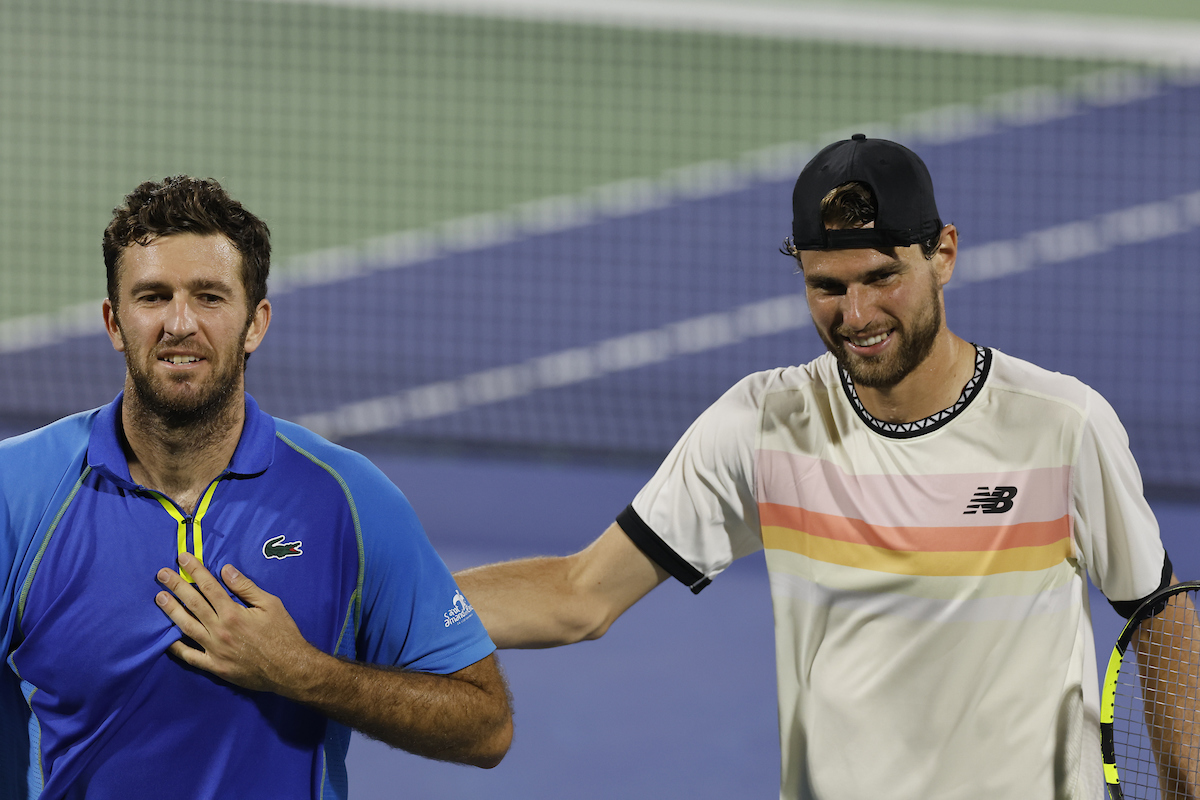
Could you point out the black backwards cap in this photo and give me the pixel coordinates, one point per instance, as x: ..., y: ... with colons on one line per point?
x: 903, y: 192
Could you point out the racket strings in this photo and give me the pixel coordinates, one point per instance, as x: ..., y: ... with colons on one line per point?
x: 1156, y: 730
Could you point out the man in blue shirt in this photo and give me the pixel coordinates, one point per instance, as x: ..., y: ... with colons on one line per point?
x: 132, y: 670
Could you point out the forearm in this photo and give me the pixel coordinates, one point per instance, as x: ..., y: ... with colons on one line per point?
x: 1169, y: 666
x: 531, y: 603
x: 464, y: 717
x: 546, y: 602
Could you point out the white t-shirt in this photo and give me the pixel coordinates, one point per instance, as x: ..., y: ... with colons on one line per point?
x: 932, y: 629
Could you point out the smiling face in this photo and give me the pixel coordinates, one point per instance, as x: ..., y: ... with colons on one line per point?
x: 879, y: 313
x: 183, y: 323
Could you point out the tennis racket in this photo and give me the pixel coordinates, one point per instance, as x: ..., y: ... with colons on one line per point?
x: 1150, y: 705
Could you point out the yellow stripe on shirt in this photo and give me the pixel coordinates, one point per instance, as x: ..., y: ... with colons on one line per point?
x: 182, y: 523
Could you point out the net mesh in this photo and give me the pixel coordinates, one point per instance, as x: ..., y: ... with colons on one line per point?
x: 559, y: 235
x: 1156, y: 711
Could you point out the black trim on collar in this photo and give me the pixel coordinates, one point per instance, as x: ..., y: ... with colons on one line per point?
x: 660, y: 552
x: 908, y: 430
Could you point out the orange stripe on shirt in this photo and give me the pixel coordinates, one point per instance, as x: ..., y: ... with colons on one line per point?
x: 923, y: 539
x: 917, y: 562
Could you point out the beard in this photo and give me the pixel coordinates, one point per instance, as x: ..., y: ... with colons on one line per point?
x: 175, y: 406
x: 884, y: 372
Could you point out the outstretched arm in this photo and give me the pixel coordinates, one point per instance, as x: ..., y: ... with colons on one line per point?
x: 464, y: 716
x: 546, y: 602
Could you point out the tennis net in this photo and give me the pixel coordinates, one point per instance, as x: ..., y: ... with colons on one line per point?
x: 554, y: 227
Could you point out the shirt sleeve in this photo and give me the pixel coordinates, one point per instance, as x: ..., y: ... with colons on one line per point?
x: 37, y: 472
x: 413, y: 614
x: 14, y: 713
x: 699, y: 513
x: 1115, y: 528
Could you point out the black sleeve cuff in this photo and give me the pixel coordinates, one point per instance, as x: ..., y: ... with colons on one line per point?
x: 659, y: 551
x: 1126, y: 607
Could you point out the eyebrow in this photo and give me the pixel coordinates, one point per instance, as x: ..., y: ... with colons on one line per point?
x: 881, y: 271
x: 194, y: 286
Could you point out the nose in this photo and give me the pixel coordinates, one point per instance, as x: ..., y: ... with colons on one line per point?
x: 180, y: 321
x: 858, y: 307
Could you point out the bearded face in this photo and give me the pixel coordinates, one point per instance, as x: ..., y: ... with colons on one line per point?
x: 879, y: 313
x: 179, y: 399
x: 182, y: 322
x: 912, y: 342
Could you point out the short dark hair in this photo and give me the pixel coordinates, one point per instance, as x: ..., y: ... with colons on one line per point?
x: 182, y: 204
x: 853, y: 205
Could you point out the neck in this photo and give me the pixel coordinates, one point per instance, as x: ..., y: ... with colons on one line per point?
x: 933, y: 386
x: 179, y: 461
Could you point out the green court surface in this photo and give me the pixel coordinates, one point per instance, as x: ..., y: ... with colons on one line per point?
x: 337, y: 124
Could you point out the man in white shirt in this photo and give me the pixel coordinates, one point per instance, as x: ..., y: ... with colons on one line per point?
x: 930, y: 510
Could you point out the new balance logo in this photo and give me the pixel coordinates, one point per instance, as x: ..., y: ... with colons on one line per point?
x: 992, y: 501
x: 278, y: 548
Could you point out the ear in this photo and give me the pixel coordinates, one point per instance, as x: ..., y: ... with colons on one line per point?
x: 111, y: 326
x: 258, y: 325
x: 947, y: 253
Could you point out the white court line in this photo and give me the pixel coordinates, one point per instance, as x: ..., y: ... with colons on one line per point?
x: 1024, y: 107
x: 53, y: 327
x: 1027, y: 106
x: 974, y: 30
x: 1057, y: 244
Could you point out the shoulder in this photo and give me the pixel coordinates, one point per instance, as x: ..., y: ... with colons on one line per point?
x: 376, y: 501
x: 340, y: 462
x: 37, y: 469
x: 786, y: 396
x: 759, y: 389
x: 1019, y: 378
x: 45, y: 453
x: 730, y: 429
x: 64, y: 436
x: 1026, y: 393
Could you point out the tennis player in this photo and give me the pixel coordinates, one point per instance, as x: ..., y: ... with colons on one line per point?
x: 132, y: 669
x: 930, y: 511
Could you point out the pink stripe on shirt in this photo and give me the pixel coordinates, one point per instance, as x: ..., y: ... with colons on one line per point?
x: 914, y: 501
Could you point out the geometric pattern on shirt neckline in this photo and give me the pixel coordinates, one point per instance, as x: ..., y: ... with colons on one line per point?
x: 907, y: 430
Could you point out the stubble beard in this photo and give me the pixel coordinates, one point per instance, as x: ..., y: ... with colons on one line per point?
x: 162, y: 406
x: 916, y: 342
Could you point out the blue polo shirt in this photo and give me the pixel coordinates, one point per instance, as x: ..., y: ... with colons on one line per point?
x: 90, y: 703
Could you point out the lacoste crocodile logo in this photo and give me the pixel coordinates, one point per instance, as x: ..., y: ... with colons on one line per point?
x: 277, y: 548
x: 992, y: 501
